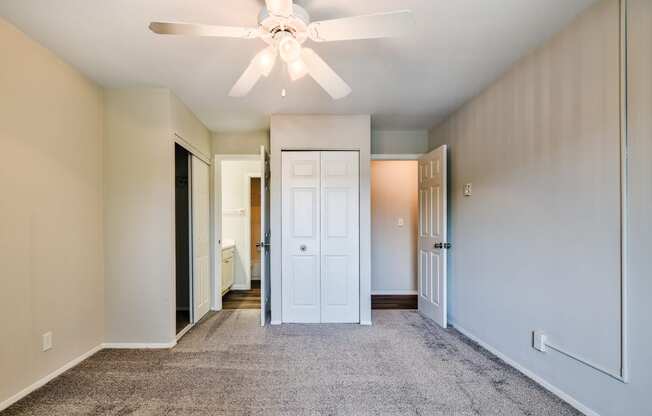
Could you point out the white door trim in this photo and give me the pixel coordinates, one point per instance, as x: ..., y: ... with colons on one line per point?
x: 397, y: 156
x: 178, y: 139
x: 217, y: 223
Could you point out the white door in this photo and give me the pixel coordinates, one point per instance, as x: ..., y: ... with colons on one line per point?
x: 432, y: 236
x: 300, y: 236
x: 340, y: 282
x: 200, y: 238
x: 265, y: 281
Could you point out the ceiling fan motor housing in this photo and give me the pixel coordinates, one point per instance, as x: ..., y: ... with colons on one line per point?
x: 295, y: 24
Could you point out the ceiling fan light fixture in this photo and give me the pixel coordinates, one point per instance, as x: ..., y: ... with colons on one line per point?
x: 265, y: 60
x: 297, y: 70
x: 285, y: 27
x: 288, y: 47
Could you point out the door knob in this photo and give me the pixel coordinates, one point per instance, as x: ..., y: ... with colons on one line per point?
x: 442, y: 246
x: 303, y: 247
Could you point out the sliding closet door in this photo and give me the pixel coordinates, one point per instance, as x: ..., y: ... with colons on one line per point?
x: 340, y: 282
x: 301, y: 243
x: 200, y: 238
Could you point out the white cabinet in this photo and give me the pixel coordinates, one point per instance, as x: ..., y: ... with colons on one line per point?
x: 228, y: 270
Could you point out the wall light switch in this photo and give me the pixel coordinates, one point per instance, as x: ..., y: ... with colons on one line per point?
x: 468, y: 189
x: 47, y: 341
x: 539, y: 340
x: 400, y: 222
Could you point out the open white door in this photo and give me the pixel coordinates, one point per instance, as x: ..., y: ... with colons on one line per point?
x: 200, y: 239
x: 432, y: 235
x: 263, y: 245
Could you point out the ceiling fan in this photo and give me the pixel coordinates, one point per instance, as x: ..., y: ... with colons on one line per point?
x: 285, y: 27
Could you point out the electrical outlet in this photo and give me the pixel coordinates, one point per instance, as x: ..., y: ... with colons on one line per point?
x: 47, y: 341
x: 468, y: 189
x: 539, y: 340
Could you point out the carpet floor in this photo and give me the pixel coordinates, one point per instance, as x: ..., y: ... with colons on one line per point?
x: 228, y: 365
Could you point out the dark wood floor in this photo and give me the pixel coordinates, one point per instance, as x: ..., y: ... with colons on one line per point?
x: 393, y: 301
x: 250, y: 299
x: 243, y: 299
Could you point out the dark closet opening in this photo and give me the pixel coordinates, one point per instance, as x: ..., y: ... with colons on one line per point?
x: 182, y: 237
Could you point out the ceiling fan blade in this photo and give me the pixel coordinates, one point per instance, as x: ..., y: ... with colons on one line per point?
x: 260, y: 66
x: 194, y: 29
x: 380, y: 25
x: 279, y: 7
x: 246, y: 82
x: 324, y: 75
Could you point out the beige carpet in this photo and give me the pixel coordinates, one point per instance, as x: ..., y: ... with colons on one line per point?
x: 228, y: 365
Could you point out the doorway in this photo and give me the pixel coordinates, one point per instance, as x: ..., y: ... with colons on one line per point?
x: 242, y: 232
x: 394, y: 234
x: 182, y: 198
x: 239, y: 297
x: 428, y: 240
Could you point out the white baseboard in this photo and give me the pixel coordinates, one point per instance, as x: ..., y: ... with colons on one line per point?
x: 393, y: 292
x: 239, y: 287
x: 275, y: 322
x: 183, y: 331
x: 543, y: 383
x: 138, y: 345
x: 43, y: 381
x: 365, y: 323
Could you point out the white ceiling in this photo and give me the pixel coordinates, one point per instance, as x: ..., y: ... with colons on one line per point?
x: 458, y: 48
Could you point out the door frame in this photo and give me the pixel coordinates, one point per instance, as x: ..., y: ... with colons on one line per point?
x: 216, y: 304
x: 382, y: 157
x: 193, y: 151
x: 247, y: 227
x: 397, y: 156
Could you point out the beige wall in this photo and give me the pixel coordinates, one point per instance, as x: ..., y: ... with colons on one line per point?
x: 240, y: 143
x: 141, y: 127
x: 394, y: 247
x: 50, y: 212
x: 138, y: 216
x: 321, y: 132
x: 537, y: 246
x: 188, y: 129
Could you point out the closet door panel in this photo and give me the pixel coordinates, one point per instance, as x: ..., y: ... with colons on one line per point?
x: 340, y: 283
x: 301, y: 243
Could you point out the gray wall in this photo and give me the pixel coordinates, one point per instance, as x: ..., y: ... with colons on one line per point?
x: 321, y: 132
x: 399, y: 141
x: 537, y: 245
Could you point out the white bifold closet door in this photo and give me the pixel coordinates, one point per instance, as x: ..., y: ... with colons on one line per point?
x: 200, y: 239
x: 320, y: 216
